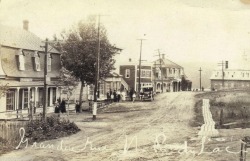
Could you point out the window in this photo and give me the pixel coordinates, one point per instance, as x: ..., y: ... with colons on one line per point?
x: 37, y: 65
x: 21, y: 62
x: 26, y: 99
x: 10, y: 100
x: 127, y: 73
x: 146, y: 73
x: 107, y: 87
x: 101, y: 88
x: 49, y: 62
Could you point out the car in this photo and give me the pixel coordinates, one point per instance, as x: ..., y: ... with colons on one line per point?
x: 147, y: 94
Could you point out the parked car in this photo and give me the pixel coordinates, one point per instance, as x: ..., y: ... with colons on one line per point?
x: 148, y: 93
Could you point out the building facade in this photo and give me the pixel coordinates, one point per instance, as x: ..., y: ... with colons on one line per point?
x: 163, y: 75
x: 130, y: 73
x: 167, y: 75
x: 22, y: 60
x: 232, y: 79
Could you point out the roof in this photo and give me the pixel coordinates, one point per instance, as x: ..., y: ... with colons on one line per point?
x: 22, y: 39
x: 168, y: 63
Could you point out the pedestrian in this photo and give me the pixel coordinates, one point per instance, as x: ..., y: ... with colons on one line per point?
x: 131, y: 94
x: 63, y: 106
x: 134, y: 95
x: 115, y: 96
x: 77, y: 106
x: 57, y: 109
x: 111, y: 97
x: 118, y: 96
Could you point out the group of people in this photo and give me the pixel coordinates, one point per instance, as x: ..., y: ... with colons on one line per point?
x: 114, y: 96
x: 60, y: 106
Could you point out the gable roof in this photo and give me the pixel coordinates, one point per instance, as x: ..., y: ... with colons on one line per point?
x: 22, y: 39
x: 167, y: 63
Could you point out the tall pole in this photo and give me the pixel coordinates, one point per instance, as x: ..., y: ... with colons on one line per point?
x: 96, y: 90
x: 200, y: 78
x: 139, y: 85
x: 222, y: 74
x: 45, y: 90
x: 161, y: 71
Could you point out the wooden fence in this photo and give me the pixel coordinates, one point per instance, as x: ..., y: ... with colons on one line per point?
x: 9, y: 130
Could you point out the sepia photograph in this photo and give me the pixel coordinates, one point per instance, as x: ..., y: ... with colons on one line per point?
x: 124, y: 80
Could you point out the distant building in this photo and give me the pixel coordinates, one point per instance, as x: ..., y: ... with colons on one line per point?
x: 160, y: 74
x: 130, y: 74
x: 22, y: 68
x: 233, y: 79
x: 169, y: 76
x: 112, y: 82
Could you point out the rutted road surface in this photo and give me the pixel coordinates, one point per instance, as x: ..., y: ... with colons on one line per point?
x: 126, y: 131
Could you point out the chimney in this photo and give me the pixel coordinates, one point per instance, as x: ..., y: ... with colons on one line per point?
x: 163, y: 56
x: 26, y: 25
x: 130, y: 60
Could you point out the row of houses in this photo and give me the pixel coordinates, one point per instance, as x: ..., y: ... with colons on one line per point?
x: 22, y: 68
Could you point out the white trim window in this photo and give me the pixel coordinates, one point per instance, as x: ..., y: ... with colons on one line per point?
x: 49, y: 62
x: 37, y: 62
x: 127, y: 73
x: 146, y: 73
x: 10, y: 100
x: 21, y: 61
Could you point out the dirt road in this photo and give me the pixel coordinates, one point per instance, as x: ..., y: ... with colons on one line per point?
x: 125, y: 131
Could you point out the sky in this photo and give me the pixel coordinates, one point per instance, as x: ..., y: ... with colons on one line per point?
x: 192, y: 33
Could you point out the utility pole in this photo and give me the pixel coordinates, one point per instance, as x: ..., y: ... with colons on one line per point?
x: 200, y: 78
x: 45, y: 90
x: 222, y: 70
x: 96, y: 90
x: 161, y: 70
x: 139, y: 85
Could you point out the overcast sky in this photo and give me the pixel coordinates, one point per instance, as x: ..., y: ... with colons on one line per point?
x: 198, y: 31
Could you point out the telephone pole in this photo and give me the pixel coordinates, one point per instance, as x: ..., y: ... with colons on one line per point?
x: 96, y: 90
x: 222, y: 70
x: 45, y: 90
x: 200, y: 78
x: 139, y: 85
x: 161, y: 70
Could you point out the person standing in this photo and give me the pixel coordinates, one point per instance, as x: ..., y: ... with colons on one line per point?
x: 77, y: 106
x: 63, y: 106
x: 115, y: 96
x: 131, y: 94
x: 134, y: 95
x: 118, y: 96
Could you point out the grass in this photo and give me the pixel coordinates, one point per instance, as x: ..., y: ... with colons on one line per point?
x: 230, y: 109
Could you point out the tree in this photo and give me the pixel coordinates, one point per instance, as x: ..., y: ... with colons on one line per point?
x: 67, y: 82
x: 79, y: 50
x: 3, y: 89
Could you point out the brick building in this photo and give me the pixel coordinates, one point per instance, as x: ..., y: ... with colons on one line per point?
x: 22, y: 68
x: 130, y: 73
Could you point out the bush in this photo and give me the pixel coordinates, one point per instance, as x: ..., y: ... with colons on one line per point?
x: 54, y: 127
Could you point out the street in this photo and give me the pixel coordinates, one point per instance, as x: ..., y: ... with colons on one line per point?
x: 154, y: 130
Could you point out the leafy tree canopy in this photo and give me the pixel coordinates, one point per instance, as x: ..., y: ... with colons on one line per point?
x: 79, y: 51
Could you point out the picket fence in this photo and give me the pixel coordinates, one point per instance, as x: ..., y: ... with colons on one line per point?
x: 9, y: 130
